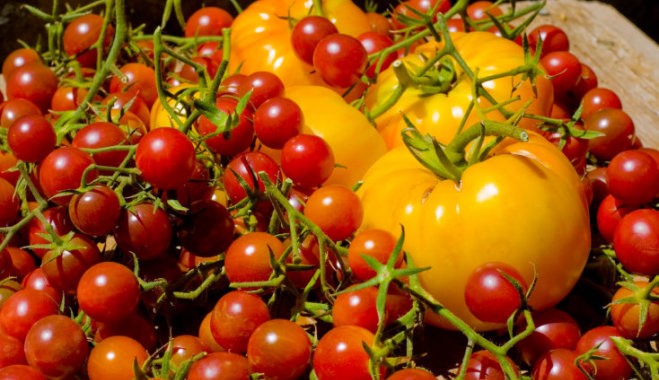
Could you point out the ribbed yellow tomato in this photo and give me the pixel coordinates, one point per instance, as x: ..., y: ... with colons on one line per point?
x: 523, y: 205
x: 441, y: 114
x: 261, y: 36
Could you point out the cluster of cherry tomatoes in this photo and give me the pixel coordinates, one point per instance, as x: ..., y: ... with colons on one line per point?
x: 143, y: 240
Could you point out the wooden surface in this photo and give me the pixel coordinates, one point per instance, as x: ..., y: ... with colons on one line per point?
x: 624, y: 58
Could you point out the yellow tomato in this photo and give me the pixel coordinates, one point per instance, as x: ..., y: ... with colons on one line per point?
x: 441, y: 114
x: 523, y: 206
x: 261, y: 36
x: 160, y: 118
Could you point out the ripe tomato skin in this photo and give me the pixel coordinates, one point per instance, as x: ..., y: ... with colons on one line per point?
x: 553, y: 39
x: 280, y: 349
x: 11, y: 351
x: 80, y: 36
x: 108, y: 292
x: 96, y: 211
x: 340, y: 354
x: 554, y: 328
x: 356, y: 308
x: 307, y: 33
x: 609, y: 213
x: 374, y: 42
x: 165, y: 158
x: 58, y: 218
x: 220, y: 365
x: 34, y: 82
x: 24, y: 308
x: 206, y: 336
x: 37, y: 280
x: 336, y: 210
x: 558, y: 364
x: 307, y: 160
x: 246, y: 165
x: 614, y: 365
x: 376, y: 243
x: 340, y: 59
x: 626, y: 316
x: 490, y: 296
x: 563, y: 69
x: 140, y: 79
x: 636, y: 241
x: 207, y: 21
x: 633, y: 177
x: 56, y: 346
x: 184, y: 347
x: 277, y: 120
x: 9, y: 203
x: 248, y: 257
x: 102, y: 134
x: 412, y: 374
x: 618, y: 132
x: 19, y: 57
x: 12, y: 110
x: 21, y: 372
x: 31, y: 138
x: 233, y: 142
x: 208, y: 230
x: 63, y: 169
x: 144, y: 230
x: 483, y: 365
x: 113, y: 358
x: 234, y: 318
x: 64, y: 267
x: 598, y: 98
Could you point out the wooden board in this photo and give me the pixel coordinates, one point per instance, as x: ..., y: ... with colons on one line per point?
x: 624, y: 58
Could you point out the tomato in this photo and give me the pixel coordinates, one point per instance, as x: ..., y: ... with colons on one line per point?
x: 617, y: 130
x: 307, y: 33
x: 235, y: 317
x: 441, y: 114
x: 165, y: 158
x: 9, y: 203
x: 336, y: 210
x: 7, y: 164
x: 264, y: 85
x: 114, y: 359
x: 408, y: 9
x: 207, y: 21
x: 208, y: 230
x: 563, y: 69
x: 128, y: 102
x: 340, y: 354
x: 64, y: 266
x: 23, y: 309
x: 277, y: 120
x: 68, y: 98
x: 136, y: 79
x: 599, y: 98
x: 534, y: 236
x: 185, y: 347
x: 248, y: 257
x: 412, y: 374
x: 12, y: 110
x: 134, y: 326
x: 102, y: 134
x: 307, y: 160
x: 340, y: 59
x: 145, y: 230
x: 34, y: 82
x: 11, y: 352
x: 246, y: 166
x: 356, y: 308
x: 636, y: 241
x: 206, y: 336
x: 261, y: 37
x: 280, y: 349
x: 376, y: 243
x: 59, y: 221
x: 108, y: 292
x: 490, y: 293
x: 633, y: 177
x: 627, y: 312
x: 37, y: 280
x: 558, y: 364
x: 95, y: 211
x: 375, y: 42
x: 22, y: 372
x: 353, y: 141
x: 228, y: 143
x: 554, y: 328
x: 611, y: 364
x: 19, y: 57
x: 63, y: 169
x: 553, y: 39
x: 220, y: 365
x: 56, y: 346
x: 31, y: 138
x: 483, y: 364
x: 80, y: 36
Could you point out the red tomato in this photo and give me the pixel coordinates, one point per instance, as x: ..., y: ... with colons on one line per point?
x: 235, y: 317
x: 554, y: 328
x: 356, y: 308
x: 136, y: 79
x: 376, y: 243
x: 19, y: 57
x: 80, y: 36
x: 558, y: 364
x: 248, y: 257
x: 63, y: 267
x: 95, y: 211
x: 207, y: 21
x: 627, y: 314
x: 102, y: 135
x: 633, y: 177
x: 613, y: 364
x: 220, y: 365
x: 307, y: 33
x: 145, y: 230
x: 308, y: 160
x: 165, y: 158
x: 114, y: 358
x: 336, y: 210
x: 35, y: 82
x: 636, y: 241
x: 207, y: 230
x: 340, y: 59
x: 63, y: 169
x: 490, y: 293
x: 23, y: 309
x: 340, y: 354
x: 31, y: 138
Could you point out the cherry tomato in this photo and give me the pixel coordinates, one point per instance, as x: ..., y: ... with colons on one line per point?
x: 220, y: 365
x: 277, y: 120
x: 599, y: 98
x: 185, y: 347
x: 627, y: 314
x: 340, y: 354
x: 636, y: 241
x: 23, y: 309
x: 248, y: 257
x: 356, y: 308
x: 490, y: 294
x: 340, y: 59
x: 247, y: 166
x: 235, y: 317
x: 587, y: 82
x: 617, y: 130
x: 9, y: 203
x: 479, y: 10
x: 102, y: 135
x: 56, y: 346
x: 145, y: 230
x: 114, y: 358
x: 307, y: 33
x: 375, y: 42
x: 563, y: 69
x: 558, y: 364
x: 31, y: 138
x: 633, y: 177
x: 228, y: 143
x: 37, y: 280
x: 264, y: 85
x: 207, y: 21
x: 376, y: 243
x: 23, y: 262
x: 62, y: 170
x: 19, y: 57
x: 280, y: 349
x: 165, y: 158
x: 134, y: 326
x: 81, y: 35
x: 59, y: 221
x: 22, y: 372
x: 609, y: 214
x: 308, y: 160
x: 12, y: 110
x: 553, y: 39
x: 207, y: 230
x: 336, y: 210
x: 206, y: 335
x: 7, y: 164
x: 613, y: 364
x: 67, y: 98
x: 11, y: 352
x: 63, y: 267
x: 554, y: 328
x: 483, y: 365
x: 34, y: 82
x: 108, y: 292
x: 128, y: 102
x: 95, y: 211
x: 412, y: 374
x: 136, y: 79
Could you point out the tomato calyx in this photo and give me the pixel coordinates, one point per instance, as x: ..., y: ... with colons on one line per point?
x: 643, y: 296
